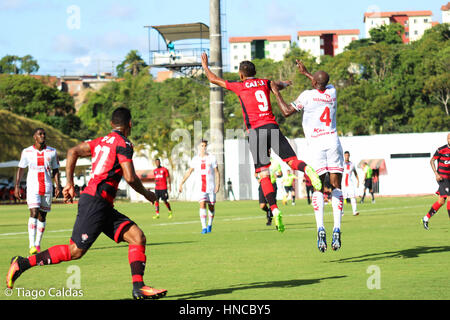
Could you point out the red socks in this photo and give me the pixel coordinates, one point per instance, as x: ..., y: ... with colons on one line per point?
x: 298, y: 165
x: 137, y: 258
x: 269, y: 192
x: 434, y: 208
x: 52, y: 255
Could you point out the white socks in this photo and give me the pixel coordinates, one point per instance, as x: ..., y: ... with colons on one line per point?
x: 317, y: 202
x: 40, y: 231
x: 210, y: 217
x: 203, y: 217
x: 353, y: 202
x: 337, y: 202
x: 32, y: 227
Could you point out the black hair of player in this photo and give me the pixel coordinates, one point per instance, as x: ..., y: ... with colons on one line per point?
x: 346, y: 152
x: 37, y: 129
x: 204, y: 141
x: 121, y: 117
x: 247, y: 68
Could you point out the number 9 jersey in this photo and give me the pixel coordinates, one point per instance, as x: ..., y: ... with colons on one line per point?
x: 108, y: 153
x: 254, y: 95
x: 319, y: 116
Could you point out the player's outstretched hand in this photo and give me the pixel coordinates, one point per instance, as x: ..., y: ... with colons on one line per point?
x: 301, y: 67
x: 57, y: 192
x: 204, y: 60
x: 68, y: 193
x: 17, y: 193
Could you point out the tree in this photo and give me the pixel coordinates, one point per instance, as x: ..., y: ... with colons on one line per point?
x: 28, y: 64
x: 9, y: 64
x: 438, y: 87
x: 133, y: 64
x: 388, y: 33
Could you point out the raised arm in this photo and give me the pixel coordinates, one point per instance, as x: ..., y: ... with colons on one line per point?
x: 302, y: 69
x: 286, y: 109
x: 210, y: 75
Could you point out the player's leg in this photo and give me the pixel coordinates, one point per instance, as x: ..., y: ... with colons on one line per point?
x: 126, y: 230
x: 263, y: 206
x: 318, y: 204
x: 158, y: 197
x: 211, y: 214
x: 32, y: 229
x: 202, y: 213
x: 337, y: 202
x: 293, y: 196
x: 46, y: 202
x: 433, y: 210
x: 167, y: 204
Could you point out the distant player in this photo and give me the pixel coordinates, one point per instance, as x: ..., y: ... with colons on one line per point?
x: 368, y: 173
x: 263, y: 129
x: 207, y: 184
x: 288, y: 183
x: 309, y: 188
x: 348, y: 186
x: 162, y: 187
x: 43, y: 166
x: 442, y: 174
x: 111, y: 160
x: 319, y: 124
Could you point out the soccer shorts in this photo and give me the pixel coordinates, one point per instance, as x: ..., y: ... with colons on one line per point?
x: 209, y: 197
x: 348, y: 191
x: 289, y: 189
x: 262, y: 198
x: 329, y: 160
x: 95, y: 216
x: 444, y: 188
x: 162, y: 194
x: 368, y: 183
x: 35, y: 200
x: 267, y: 137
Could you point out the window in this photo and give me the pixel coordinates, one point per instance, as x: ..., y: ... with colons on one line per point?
x: 235, y: 67
x: 274, y: 45
x: 416, y: 33
x: 235, y: 57
x: 415, y: 20
x: 406, y: 34
x: 425, y: 20
x: 244, y: 46
x: 245, y: 57
x: 305, y: 40
x: 284, y: 45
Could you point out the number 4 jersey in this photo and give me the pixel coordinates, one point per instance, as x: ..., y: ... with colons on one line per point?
x: 319, y: 116
x: 108, y: 153
x: 254, y: 95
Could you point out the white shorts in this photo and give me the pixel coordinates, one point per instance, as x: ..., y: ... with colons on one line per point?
x: 330, y: 160
x: 209, y: 197
x: 348, y: 191
x: 35, y: 200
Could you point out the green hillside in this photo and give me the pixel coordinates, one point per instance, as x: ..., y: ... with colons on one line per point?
x: 16, y: 134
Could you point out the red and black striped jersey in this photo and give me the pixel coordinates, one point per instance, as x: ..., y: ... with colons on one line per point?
x: 108, y: 153
x: 442, y: 155
x: 254, y: 95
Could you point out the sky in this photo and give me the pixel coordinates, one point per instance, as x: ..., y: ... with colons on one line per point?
x: 74, y: 37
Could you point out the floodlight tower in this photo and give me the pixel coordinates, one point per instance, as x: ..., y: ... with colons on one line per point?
x: 216, y: 92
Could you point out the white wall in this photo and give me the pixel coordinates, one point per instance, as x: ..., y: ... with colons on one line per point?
x: 417, y: 26
x: 446, y: 16
x: 311, y: 44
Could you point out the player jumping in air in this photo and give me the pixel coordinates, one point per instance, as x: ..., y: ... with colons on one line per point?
x: 442, y: 174
x: 111, y: 160
x: 264, y: 132
x: 204, y: 166
x: 162, y: 187
x: 42, y: 162
x: 319, y: 124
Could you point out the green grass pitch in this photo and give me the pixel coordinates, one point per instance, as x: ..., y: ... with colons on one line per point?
x: 386, y: 253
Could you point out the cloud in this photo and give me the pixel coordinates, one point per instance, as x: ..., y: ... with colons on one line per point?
x: 66, y: 44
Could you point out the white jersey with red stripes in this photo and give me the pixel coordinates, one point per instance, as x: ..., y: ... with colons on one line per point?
x: 347, y: 176
x: 319, y: 116
x: 204, y: 171
x: 40, y: 166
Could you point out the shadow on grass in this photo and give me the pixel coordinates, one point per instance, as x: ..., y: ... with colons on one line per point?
x: 407, y: 253
x: 255, y: 285
x: 147, y: 245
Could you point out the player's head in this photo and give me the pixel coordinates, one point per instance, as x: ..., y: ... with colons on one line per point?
x: 346, y: 155
x: 202, y: 147
x: 321, y: 79
x: 288, y: 172
x: 157, y: 162
x: 247, y: 69
x: 121, y: 120
x: 39, y: 136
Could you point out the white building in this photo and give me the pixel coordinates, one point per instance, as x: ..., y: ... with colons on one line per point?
x: 264, y: 47
x: 326, y: 42
x: 446, y: 13
x: 414, y: 22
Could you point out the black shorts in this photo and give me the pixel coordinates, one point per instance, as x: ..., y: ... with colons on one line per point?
x: 444, y: 188
x: 162, y: 194
x: 262, y: 139
x: 368, y: 183
x: 289, y: 189
x: 95, y: 216
x: 262, y: 198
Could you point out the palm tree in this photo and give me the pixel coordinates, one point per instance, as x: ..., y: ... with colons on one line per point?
x: 133, y: 64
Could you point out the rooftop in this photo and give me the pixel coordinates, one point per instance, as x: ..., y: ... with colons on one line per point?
x: 321, y: 32
x: 268, y: 38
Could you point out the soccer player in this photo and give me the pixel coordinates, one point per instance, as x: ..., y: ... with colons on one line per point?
x: 288, y: 183
x: 111, y: 160
x: 319, y: 124
x: 275, y: 172
x: 348, y: 187
x: 368, y: 173
x: 309, y: 188
x: 162, y: 186
x: 43, y: 166
x: 263, y: 129
x: 207, y: 178
x: 442, y: 174
x: 230, y: 190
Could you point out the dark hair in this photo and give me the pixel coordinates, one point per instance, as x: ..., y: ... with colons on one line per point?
x: 37, y: 129
x: 347, y: 152
x: 204, y: 141
x: 247, y: 68
x: 121, y: 116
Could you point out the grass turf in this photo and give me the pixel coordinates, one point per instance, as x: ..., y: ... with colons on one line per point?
x: 243, y: 259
